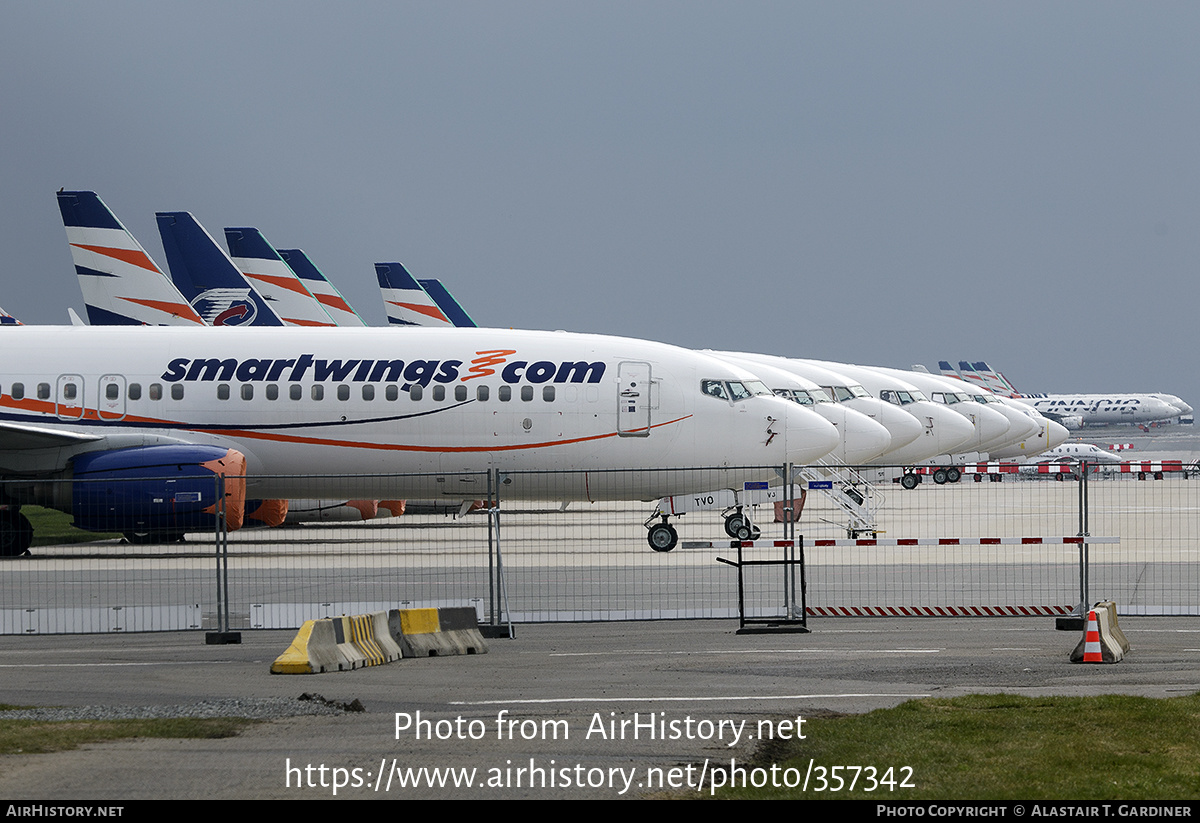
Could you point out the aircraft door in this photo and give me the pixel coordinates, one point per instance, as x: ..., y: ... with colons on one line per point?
x: 111, y: 403
x: 633, y: 399
x: 68, y: 397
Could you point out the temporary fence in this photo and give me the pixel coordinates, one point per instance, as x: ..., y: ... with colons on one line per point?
x: 506, y: 544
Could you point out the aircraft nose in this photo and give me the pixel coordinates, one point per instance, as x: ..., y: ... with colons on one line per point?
x: 901, y: 426
x: 1056, y: 434
x: 863, y: 437
x: 809, y: 436
x: 949, y: 428
x: 989, y: 425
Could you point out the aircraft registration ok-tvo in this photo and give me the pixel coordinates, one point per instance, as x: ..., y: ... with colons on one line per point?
x: 303, y: 414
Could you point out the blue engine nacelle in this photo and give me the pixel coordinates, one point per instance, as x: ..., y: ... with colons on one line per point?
x: 157, y: 490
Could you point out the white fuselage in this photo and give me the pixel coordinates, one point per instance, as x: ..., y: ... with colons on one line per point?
x: 315, y: 411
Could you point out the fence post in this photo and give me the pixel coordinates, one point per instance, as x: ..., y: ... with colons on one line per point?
x: 496, y: 571
x: 1084, y: 533
x: 222, y: 636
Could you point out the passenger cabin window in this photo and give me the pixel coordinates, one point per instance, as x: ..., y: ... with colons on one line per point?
x: 156, y: 391
x: 176, y: 391
x: 18, y: 391
x: 135, y: 391
x: 415, y: 392
x: 70, y: 391
x: 247, y: 391
x: 272, y: 391
x: 481, y: 393
x: 318, y: 392
x: 368, y: 392
x: 111, y: 392
x: 548, y: 394
x: 343, y: 392
x: 505, y: 394
x: 439, y: 393
x: 43, y: 391
x: 295, y: 391
x: 460, y: 392
x: 391, y: 392
x: 222, y: 391
x: 527, y: 393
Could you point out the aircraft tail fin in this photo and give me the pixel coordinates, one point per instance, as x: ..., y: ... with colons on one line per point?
x: 7, y: 319
x: 917, y: 367
x: 994, y: 380
x: 274, y: 279
x: 121, y: 284
x: 319, y: 286
x: 406, y: 302
x: 446, y: 302
x: 207, y: 276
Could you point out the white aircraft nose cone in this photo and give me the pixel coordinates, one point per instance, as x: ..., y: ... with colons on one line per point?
x: 989, y: 425
x: 861, y: 437
x: 901, y: 426
x: 1056, y: 434
x: 809, y: 436
x: 949, y: 429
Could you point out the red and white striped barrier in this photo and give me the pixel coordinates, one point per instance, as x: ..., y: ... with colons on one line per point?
x: 1119, y: 447
x: 960, y: 541
x: 1148, y: 466
x: 900, y: 541
x: 939, y: 611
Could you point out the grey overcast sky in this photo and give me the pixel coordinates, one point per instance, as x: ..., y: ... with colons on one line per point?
x: 878, y: 182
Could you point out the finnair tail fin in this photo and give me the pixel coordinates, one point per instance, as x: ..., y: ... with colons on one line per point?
x: 273, y: 279
x: 319, y: 286
x: 406, y: 302
x: 207, y: 276
x: 121, y: 284
x: 446, y: 302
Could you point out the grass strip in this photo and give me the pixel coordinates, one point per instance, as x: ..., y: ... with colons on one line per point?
x: 41, y: 736
x: 992, y: 747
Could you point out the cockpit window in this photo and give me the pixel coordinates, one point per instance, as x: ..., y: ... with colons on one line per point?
x: 900, y: 398
x: 859, y: 391
x: 733, y: 389
x: 739, y: 391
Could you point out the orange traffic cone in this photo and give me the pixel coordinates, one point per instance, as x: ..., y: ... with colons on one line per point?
x: 1091, y: 642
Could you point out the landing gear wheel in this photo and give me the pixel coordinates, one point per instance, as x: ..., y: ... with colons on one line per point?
x: 16, y: 534
x: 662, y: 537
x: 953, y: 475
x: 939, y: 477
x: 734, y: 523
x: 748, y: 532
x: 909, y: 481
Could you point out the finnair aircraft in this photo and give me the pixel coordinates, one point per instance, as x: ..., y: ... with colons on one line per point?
x: 307, y: 415
x: 1089, y: 409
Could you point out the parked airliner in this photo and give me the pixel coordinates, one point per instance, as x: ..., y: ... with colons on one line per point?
x: 1089, y: 409
x: 308, y: 414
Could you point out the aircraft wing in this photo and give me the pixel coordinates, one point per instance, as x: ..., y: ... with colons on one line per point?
x: 21, y: 436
